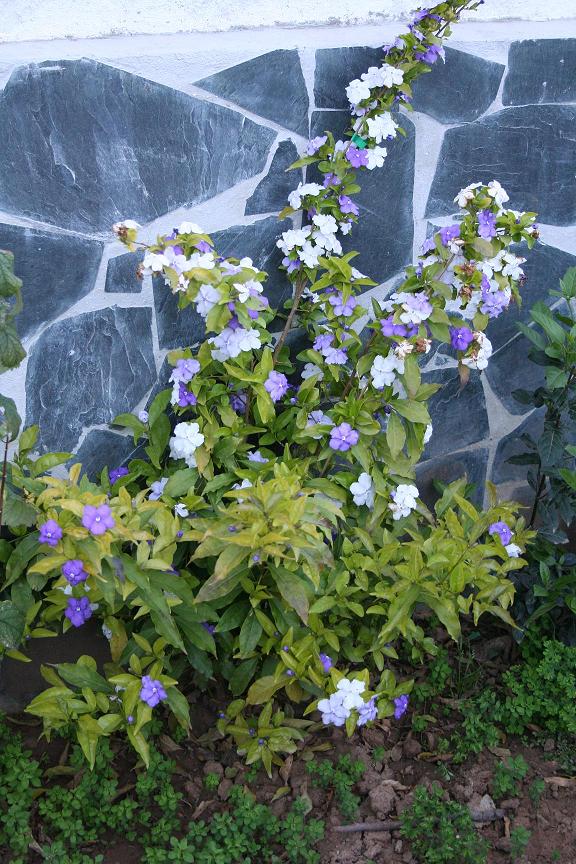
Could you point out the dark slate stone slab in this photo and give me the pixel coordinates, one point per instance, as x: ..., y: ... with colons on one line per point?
x: 446, y: 469
x: 336, y: 67
x: 385, y: 229
x: 530, y: 150
x: 458, y: 413
x: 57, y: 270
x: 84, y: 370
x: 544, y: 267
x: 509, y: 369
x: 511, y: 445
x: 271, y: 85
x: 541, y: 70
x: 102, y: 448
x: 121, y: 275
x: 177, y: 328
x: 459, y: 90
x: 102, y: 144
x: 271, y: 193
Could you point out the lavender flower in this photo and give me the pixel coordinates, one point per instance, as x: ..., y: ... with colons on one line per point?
x: 97, y: 519
x: 323, y: 341
x: 50, y: 533
x: 357, y: 158
x: 486, y: 224
x: 330, y: 180
x: 336, y: 356
x: 152, y: 691
x: 143, y: 416
x: 314, y: 145
x: 449, y: 233
x: 347, y: 205
x: 341, y: 306
x: 78, y: 611
x: 276, y: 385
x: 74, y: 572
x: 401, y: 706
x: 502, y: 530
x: 203, y: 246
x: 343, y: 437
x: 238, y: 402
x: 210, y: 628
x: 460, y: 338
x: 389, y: 328
x: 116, y: 473
x: 326, y: 662
x: 367, y: 712
x: 185, y: 397
x: 291, y: 264
x: 431, y: 55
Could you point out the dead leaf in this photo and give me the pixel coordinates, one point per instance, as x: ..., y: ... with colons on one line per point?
x: 286, y: 768
x: 561, y: 781
x: 280, y: 793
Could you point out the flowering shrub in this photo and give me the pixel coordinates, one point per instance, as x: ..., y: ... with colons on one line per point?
x: 274, y: 538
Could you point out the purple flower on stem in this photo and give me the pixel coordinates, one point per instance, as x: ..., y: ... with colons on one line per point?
x: 291, y: 264
x: 314, y: 145
x: 347, y: 205
x: 431, y: 54
x: 460, y: 338
x: 357, y: 158
x: 428, y: 246
x: 323, y: 341
x: 400, y: 706
x: 78, y: 611
x: 290, y: 673
x: 210, y: 628
x: 74, y: 572
x: 97, y: 519
x: 341, y: 306
x: 389, y: 328
x: 185, y: 397
x: 330, y: 180
x: 343, y: 437
x: 493, y: 302
x: 203, y: 246
x: 367, y: 712
x: 502, y: 530
x: 486, y: 224
x: 116, y: 473
x: 326, y: 662
x: 276, y: 385
x: 185, y: 370
x: 449, y: 233
x: 152, y: 691
x: 336, y: 356
x: 50, y: 533
x: 238, y: 402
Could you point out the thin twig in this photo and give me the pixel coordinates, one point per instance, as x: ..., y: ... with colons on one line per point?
x: 3, y: 483
x: 299, y: 290
x: 394, y: 824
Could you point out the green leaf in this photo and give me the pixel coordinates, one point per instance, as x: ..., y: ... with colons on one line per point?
x: 80, y: 675
x: 225, y: 575
x: 416, y: 412
x: 18, y: 512
x: 395, y: 434
x: 181, y: 482
x: 28, y: 439
x: 545, y: 318
x: 179, y: 705
x: 89, y: 732
x: 250, y: 633
x: 263, y: 689
x: 556, y: 377
x: 10, y: 421
x: 11, y: 624
x: 242, y: 675
x: 11, y: 351
x: 48, y: 461
x: 140, y: 744
x: 292, y: 589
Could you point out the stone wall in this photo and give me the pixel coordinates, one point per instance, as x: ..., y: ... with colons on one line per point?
x: 203, y: 128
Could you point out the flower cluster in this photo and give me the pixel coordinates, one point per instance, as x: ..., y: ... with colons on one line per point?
x: 503, y: 531
x: 348, y: 699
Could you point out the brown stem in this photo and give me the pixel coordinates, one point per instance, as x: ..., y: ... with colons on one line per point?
x: 300, y: 285
x: 394, y: 824
x: 3, y: 482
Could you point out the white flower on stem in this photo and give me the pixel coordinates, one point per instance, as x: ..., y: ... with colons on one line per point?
x: 181, y: 510
x: 382, y: 127
x: 293, y: 238
x: 325, y: 224
x: 185, y: 441
x: 205, y: 260
x: 189, y: 228
x: 301, y: 191
x: 403, y: 349
x: 511, y: 266
x: 357, y: 91
x: 481, y: 352
x: 513, y: 550
x: 496, y: 192
x: 384, y: 369
x: 363, y: 491
x: 125, y: 225
x: 154, y: 262
x: 376, y: 156
x: 230, y: 343
x: 329, y: 242
x: 467, y: 194
x: 404, y: 500
x: 311, y: 369
x: 206, y: 299
x: 309, y: 254
x: 247, y: 289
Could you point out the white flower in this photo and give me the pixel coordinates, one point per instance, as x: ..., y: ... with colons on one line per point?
x: 157, y: 488
x: 106, y: 632
x: 311, y: 369
x: 357, y: 91
x: 345, y: 227
x: 480, y: 355
x: 181, y: 510
x: 513, y: 550
x: 309, y: 254
x: 126, y: 224
x: 143, y: 416
x: 256, y: 456
x: 404, y: 500
x: 327, y: 241
x: 403, y: 349
x: 363, y: 490
x: 230, y: 343
x: 384, y: 370
x: 496, y: 191
x: 206, y: 299
x: 376, y: 156
x: 381, y: 127
x: 303, y: 189
x: 247, y: 289
x: 176, y: 260
x: 512, y: 266
x: 293, y: 238
x: 248, y: 264
x: 326, y: 224
x: 185, y: 441
x: 391, y: 75
x: 154, y: 262
x: 189, y: 228
x: 350, y: 692
x: 318, y: 418
x: 248, y: 340
x: 467, y: 194
x: 205, y: 260
x: 246, y: 484
x: 428, y: 433
x: 356, y: 274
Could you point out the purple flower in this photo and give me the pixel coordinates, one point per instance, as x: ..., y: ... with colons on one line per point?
x: 401, y: 706
x: 341, y: 306
x: 389, y: 328
x: 130, y: 719
x: 185, y: 370
x: 256, y: 558
x: 493, y: 302
x: 347, y: 205
x: 276, y: 385
x: 460, y: 338
x: 210, y: 628
x: 314, y: 145
x: 367, y: 712
x: 78, y: 611
x: 97, y: 519
x: 326, y: 662
x: 343, y: 437
x: 74, y: 572
x: 336, y: 356
x: 50, y: 533
x: 330, y: 180
x: 428, y: 246
x: 291, y: 264
x: 502, y: 530
x: 357, y: 158
x: 253, y: 314
x: 116, y: 473
x: 152, y: 691
x: 323, y: 341
x: 185, y: 397
x: 424, y: 13
x: 290, y: 673
x: 431, y: 54
x: 203, y: 246
x: 486, y: 224
x: 238, y: 402
x: 449, y: 233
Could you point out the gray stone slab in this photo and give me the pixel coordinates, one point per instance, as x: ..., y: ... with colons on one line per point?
x: 510, y: 369
x: 83, y: 371
x: 272, y: 192
x: 102, y: 144
x: 102, y: 448
x: 541, y: 70
x: 530, y: 150
x: 121, y: 275
x: 458, y: 414
x: 385, y: 229
x: 459, y: 90
x: 271, y: 85
x: 57, y: 270
x: 445, y: 469
x: 336, y: 67
x: 512, y: 445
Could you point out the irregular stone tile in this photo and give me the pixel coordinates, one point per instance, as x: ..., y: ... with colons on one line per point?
x: 102, y: 448
x: 103, y: 145
x: 446, y: 469
x: 385, y: 229
x: 83, y: 371
x: 530, y: 150
x: 458, y: 414
x: 544, y: 267
x: 459, y: 90
x: 509, y: 369
x: 271, y: 193
x: 511, y: 445
x: 57, y: 270
x: 541, y: 70
x: 258, y: 241
x: 336, y: 67
x: 121, y: 275
x: 271, y: 85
